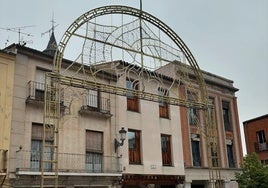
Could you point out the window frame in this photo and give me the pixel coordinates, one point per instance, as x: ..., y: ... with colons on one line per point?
x: 196, y: 154
x: 94, y: 152
x: 261, y: 136
x: 132, y: 99
x: 230, y: 155
x: 163, y: 106
x: 40, y: 74
x: 39, y: 83
x: 36, y: 155
x: 134, y: 152
x: 93, y: 99
x: 192, y: 112
x: 166, y: 150
x: 226, y: 115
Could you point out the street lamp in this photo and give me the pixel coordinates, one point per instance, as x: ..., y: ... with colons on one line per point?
x: 123, y: 134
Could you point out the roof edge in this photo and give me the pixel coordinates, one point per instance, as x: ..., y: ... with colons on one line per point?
x: 255, y: 119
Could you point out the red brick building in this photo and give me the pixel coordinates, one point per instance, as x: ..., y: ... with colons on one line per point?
x: 256, y: 135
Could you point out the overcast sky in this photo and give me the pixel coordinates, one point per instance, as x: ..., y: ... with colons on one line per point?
x: 228, y: 37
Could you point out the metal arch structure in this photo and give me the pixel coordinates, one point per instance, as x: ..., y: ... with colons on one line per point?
x: 54, y: 80
x: 137, y: 13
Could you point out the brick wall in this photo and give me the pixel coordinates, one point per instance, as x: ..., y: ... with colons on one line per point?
x: 250, y: 128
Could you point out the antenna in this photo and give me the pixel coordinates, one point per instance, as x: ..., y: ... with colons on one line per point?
x: 19, y: 31
x: 51, y: 30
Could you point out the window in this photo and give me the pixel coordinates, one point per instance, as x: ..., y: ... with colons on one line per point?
x: 92, y: 99
x: 132, y: 98
x: 230, y: 156
x: 39, y: 84
x: 264, y: 162
x: 226, y: 115
x: 196, y: 153
x: 163, y: 106
x: 134, y: 153
x: 261, y: 136
x: 261, y: 144
x: 40, y: 76
x: 166, y: 150
x: 94, y: 151
x: 192, y: 111
x: 36, y: 149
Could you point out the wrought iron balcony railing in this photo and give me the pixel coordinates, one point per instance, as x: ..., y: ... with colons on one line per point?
x: 30, y: 161
x: 95, y: 103
x: 36, y: 92
x: 259, y: 147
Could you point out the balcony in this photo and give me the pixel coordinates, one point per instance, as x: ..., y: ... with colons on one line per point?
x: 36, y: 93
x: 96, y: 105
x: 30, y: 162
x: 259, y: 147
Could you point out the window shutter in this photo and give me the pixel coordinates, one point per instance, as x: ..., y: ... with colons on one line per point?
x: 94, y: 141
x: 37, y: 131
x: 137, y: 140
x: 92, y: 98
x: 40, y: 76
x: 134, y: 147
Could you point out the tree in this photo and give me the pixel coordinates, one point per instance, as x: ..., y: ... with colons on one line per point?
x: 254, y: 174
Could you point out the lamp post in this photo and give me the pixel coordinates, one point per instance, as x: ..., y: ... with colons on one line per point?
x: 117, y: 143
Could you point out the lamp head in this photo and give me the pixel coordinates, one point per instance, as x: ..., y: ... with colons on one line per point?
x: 123, y: 133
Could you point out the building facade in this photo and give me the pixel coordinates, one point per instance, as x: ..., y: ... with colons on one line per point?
x: 256, y: 131
x: 6, y: 93
x: 199, y: 164
x: 163, y: 147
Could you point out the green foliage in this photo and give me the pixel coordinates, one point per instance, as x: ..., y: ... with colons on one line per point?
x: 254, y: 174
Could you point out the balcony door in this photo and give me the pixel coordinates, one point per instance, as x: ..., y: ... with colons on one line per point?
x: 166, y: 150
x: 134, y: 152
x: 94, y: 151
x: 36, y: 149
x: 39, y: 84
x: 196, y: 156
x: 163, y: 106
x: 93, y: 99
x: 132, y: 98
x: 36, y: 156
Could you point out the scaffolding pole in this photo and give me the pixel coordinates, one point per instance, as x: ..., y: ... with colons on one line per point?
x: 50, y: 144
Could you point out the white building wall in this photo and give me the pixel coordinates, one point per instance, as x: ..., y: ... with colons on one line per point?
x: 152, y: 126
